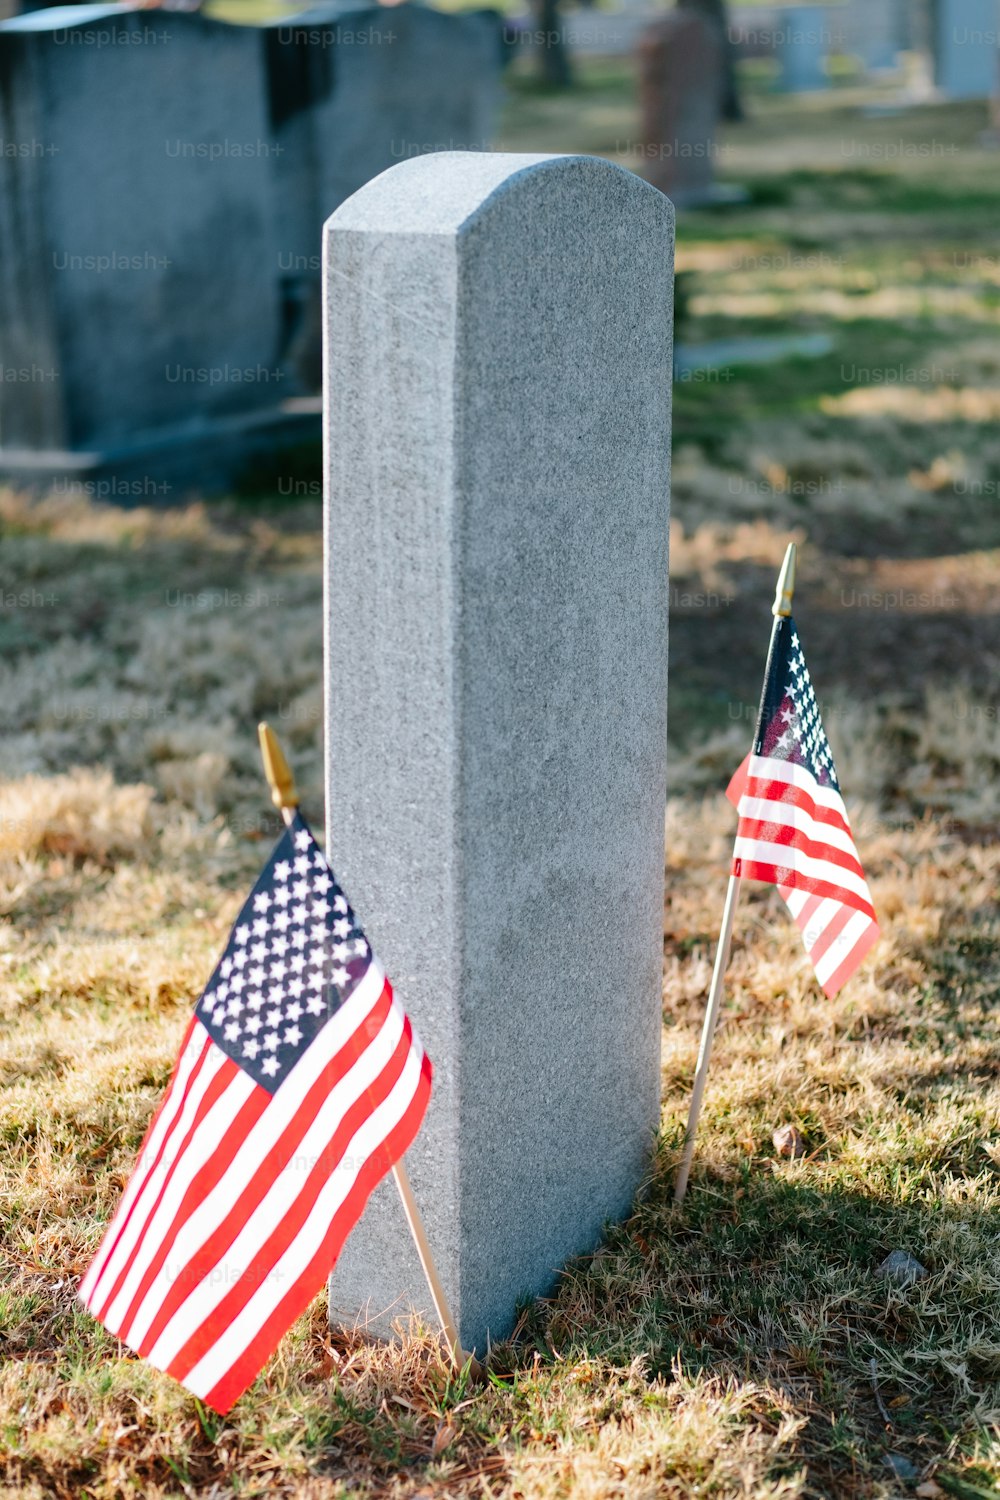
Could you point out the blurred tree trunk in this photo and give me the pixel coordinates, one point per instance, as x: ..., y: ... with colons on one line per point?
x: 716, y: 13
x: 553, y: 54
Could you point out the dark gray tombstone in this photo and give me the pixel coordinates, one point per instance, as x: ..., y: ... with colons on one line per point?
x: 353, y: 92
x: 161, y: 211
x: 136, y: 228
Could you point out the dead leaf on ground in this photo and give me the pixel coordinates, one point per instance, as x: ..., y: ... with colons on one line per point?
x: 443, y: 1438
x: 788, y: 1141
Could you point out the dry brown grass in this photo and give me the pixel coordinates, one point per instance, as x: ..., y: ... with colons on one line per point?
x: 744, y: 1347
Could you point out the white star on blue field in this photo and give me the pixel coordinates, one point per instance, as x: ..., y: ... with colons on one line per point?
x: 790, y: 725
x: 294, y: 955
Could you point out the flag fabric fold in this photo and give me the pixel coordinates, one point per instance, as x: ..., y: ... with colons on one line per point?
x: 299, y: 1084
x: 793, y: 827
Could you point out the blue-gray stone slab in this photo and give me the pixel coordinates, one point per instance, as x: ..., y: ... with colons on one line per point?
x: 966, y: 57
x: 804, y: 40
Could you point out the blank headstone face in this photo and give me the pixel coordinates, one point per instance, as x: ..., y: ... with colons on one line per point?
x: 681, y: 86
x: 499, y: 338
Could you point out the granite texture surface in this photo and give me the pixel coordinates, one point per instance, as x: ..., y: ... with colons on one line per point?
x: 498, y: 345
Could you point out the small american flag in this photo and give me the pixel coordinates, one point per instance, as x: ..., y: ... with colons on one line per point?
x: 299, y: 1084
x: 793, y: 830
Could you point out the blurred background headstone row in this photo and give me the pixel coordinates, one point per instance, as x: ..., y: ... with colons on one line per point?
x: 165, y: 172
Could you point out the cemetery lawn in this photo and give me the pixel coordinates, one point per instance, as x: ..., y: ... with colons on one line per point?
x: 745, y: 1346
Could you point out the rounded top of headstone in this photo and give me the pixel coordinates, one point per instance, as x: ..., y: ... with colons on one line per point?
x: 444, y: 192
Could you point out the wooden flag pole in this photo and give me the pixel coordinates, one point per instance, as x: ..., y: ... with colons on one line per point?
x: 708, y: 1034
x: 285, y: 797
x: 781, y: 608
x: 458, y: 1357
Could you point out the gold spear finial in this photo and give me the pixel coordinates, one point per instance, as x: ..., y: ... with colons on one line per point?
x: 786, y: 584
x: 284, y: 794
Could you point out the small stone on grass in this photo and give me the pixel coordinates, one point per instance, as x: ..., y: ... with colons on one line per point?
x: 902, y: 1268
x: 904, y: 1471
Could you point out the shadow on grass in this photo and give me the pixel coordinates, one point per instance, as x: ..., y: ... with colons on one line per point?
x: 772, y: 1279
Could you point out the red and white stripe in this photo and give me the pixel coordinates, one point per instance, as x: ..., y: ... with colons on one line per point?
x: 794, y: 833
x: 241, y: 1200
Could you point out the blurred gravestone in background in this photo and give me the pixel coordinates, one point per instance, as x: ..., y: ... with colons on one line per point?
x: 160, y: 217
x: 716, y: 13
x: 681, y: 90
x: 553, y: 55
x: 343, y: 113
x: 875, y: 31
x: 804, y: 41
x: 964, y: 45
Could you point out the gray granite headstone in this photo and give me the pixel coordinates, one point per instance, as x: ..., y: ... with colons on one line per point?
x: 498, y: 336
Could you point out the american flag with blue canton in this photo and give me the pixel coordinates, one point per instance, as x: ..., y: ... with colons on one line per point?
x: 299, y: 1084
x: 793, y: 827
